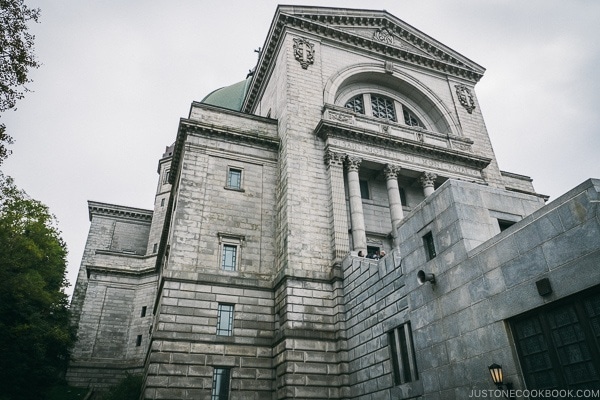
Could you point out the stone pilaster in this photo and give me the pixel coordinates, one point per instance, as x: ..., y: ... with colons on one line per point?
x: 335, y: 166
x: 391, y: 180
x: 427, y: 179
x: 357, y: 218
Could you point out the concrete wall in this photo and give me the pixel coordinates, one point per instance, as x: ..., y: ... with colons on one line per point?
x: 483, y: 278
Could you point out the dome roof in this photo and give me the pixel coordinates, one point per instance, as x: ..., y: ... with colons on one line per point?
x: 230, y: 97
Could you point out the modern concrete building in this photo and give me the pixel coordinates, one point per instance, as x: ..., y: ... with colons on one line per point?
x: 356, y: 134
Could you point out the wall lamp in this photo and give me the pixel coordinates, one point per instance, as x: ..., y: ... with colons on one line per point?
x: 424, y: 277
x: 498, y: 379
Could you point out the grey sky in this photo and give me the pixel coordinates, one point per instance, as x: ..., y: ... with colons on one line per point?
x: 117, y: 76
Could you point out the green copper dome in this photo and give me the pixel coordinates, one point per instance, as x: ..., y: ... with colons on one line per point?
x: 230, y: 97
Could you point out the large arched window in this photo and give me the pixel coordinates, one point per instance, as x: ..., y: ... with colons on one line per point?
x: 383, y: 107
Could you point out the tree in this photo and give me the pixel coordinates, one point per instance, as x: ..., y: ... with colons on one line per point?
x: 35, y: 334
x: 16, y: 58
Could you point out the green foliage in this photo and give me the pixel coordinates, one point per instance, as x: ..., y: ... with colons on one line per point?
x: 35, y: 335
x: 130, y: 388
x: 16, y: 58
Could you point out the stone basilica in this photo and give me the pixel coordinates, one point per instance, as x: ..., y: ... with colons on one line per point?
x: 336, y: 226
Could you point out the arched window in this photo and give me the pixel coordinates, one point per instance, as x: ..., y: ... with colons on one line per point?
x: 383, y: 107
x: 356, y: 104
x: 410, y: 118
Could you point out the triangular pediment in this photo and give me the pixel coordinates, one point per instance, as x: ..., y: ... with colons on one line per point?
x: 372, y: 31
x: 386, y: 36
x: 377, y: 30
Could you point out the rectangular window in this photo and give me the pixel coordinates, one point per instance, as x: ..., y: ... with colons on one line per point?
x: 225, y: 320
x: 154, y: 247
x: 166, y: 177
x: 143, y: 314
x: 429, y: 246
x: 402, y: 355
x: 229, y: 258
x: 558, y: 344
x: 234, y: 178
x: 364, y: 189
x: 138, y: 341
x: 162, y: 202
x: 220, y: 384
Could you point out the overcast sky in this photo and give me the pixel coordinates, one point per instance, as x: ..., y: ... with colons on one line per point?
x: 117, y: 76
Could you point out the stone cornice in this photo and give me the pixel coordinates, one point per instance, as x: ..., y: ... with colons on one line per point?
x: 318, y: 21
x: 187, y: 126
x: 328, y: 129
x: 116, y: 271
x: 120, y: 212
x: 227, y: 133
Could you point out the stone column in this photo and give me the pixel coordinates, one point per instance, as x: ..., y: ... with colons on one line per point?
x: 427, y: 180
x: 340, y: 239
x: 357, y: 218
x: 396, y: 214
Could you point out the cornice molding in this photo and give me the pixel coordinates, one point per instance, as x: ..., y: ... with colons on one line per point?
x: 117, y: 211
x: 436, y: 56
x: 327, y: 129
x: 241, y: 136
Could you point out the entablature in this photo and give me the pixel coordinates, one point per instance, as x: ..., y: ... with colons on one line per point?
x: 120, y: 212
x: 410, y: 147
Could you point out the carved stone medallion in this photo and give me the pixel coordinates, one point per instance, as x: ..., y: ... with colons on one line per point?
x: 465, y: 97
x: 304, y: 52
x: 384, y: 35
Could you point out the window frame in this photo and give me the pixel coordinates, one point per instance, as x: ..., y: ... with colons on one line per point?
x: 429, y: 245
x: 400, y: 105
x: 402, y: 354
x: 220, y: 388
x: 225, y: 316
x: 228, y: 241
x: 230, y: 170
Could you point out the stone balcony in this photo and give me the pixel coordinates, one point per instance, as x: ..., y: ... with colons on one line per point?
x: 396, y: 130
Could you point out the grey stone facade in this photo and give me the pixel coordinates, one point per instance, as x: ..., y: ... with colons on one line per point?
x: 357, y: 133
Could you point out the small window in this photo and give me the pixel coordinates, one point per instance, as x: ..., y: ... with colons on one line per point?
x: 166, y: 177
x: 230, y: 248
x: 234, y: 178
x: 383, y: 107
x: 356, y: 104
x: 225, y: 320
x: 220, y: 384
x: 229, y: 259
x: 154, y: 247
x: 138, y: 341
x: 429, y: 246
x: 410, y: 118
x: 162, y: 202
x: 143, y: 314
x: 504, y: 224
x: 402, y: 355
x: 364, y: 189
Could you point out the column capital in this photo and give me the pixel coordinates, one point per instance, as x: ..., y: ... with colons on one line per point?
x: 353, y: 163
x: 334, y: 158
x: 391, y: 171
x: 427, y: 179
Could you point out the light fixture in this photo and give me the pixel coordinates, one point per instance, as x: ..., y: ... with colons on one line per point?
x: 424, y: 277
x: 498, y: 379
